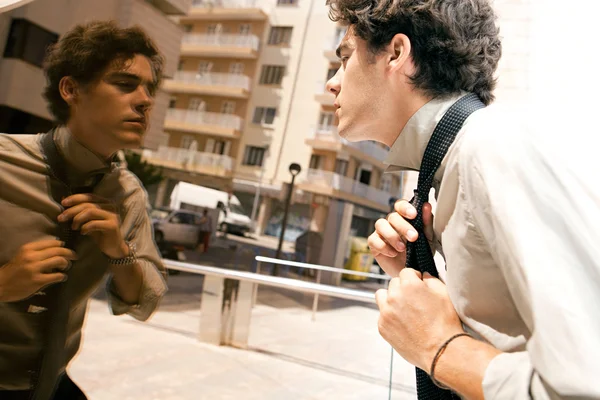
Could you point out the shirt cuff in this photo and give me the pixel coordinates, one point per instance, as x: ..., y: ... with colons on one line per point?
x: 511, y: 376
x: 153, y: 289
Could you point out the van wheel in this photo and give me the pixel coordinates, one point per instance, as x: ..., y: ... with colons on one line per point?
x: 223, y: 227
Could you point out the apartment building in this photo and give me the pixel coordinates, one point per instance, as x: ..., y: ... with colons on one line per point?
x: 249, y: 99
x: 26, y: 32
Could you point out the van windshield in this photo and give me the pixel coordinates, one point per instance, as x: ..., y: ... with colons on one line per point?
x: 237, y: 209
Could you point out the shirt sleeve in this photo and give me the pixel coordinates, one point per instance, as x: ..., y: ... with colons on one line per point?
x: 137, y: 228
x: 537, y: 208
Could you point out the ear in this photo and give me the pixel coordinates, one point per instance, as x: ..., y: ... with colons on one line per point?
x: 399, y: 52
x: 69, y: 90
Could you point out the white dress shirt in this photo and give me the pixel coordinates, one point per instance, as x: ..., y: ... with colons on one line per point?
x: 518, y: 219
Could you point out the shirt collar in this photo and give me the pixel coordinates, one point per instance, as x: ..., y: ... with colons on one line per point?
x: 83, y: 162
x: 407, y: 151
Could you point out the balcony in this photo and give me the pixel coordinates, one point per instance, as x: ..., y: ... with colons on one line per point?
x: 326, y: 138
x: 332, y: 184
x: 322, y: 96
x: 212, y: 84
x: 203, y: 122
x: 190, y: 160
x: 220, y: 45
x: 246, y: 10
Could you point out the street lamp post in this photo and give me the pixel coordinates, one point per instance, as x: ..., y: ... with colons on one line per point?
x: 294, y: 170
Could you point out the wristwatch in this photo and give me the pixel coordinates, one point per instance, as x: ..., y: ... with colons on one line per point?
x: 130, y: 259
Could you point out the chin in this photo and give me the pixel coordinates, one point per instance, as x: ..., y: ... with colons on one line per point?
x: 131, y: 140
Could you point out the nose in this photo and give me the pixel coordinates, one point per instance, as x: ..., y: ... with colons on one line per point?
x: 144, y: 100
x: 334, y: 85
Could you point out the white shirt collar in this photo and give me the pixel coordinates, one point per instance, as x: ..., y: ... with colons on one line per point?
x: 407, y: 151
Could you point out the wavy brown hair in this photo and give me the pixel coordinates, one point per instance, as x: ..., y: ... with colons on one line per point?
x: 87, y: 50
x: 455, y: 43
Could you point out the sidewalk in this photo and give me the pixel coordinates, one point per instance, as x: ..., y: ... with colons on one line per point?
x: 339, y: 356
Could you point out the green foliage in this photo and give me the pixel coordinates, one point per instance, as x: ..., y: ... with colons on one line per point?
x: 147, y: 173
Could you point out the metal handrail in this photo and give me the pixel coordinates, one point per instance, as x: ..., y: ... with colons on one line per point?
x: 321, y: 268
x: 285, y: 283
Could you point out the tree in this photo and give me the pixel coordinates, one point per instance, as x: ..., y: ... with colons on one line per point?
x: 147, y: 173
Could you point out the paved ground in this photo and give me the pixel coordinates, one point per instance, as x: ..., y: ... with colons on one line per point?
x: 338, y: 356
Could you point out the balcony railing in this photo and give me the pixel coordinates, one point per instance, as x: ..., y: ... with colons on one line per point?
x: 329, y: 133
x: 347, y: 185
x: 213, y: 79
x: 189, y: 159
x: 222, y: 40
x: 224, y: 3
x: 192, y: 117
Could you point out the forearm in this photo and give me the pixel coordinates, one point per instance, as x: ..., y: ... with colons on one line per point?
x: 463, y: 364
x: 128, y: 282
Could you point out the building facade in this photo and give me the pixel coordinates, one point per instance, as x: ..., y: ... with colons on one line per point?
x: 249, y: 99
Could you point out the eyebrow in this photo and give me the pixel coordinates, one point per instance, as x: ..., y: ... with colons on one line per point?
x: 343, y: 46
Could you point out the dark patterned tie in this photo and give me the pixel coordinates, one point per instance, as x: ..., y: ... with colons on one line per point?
x: 56, y: 300
x: 419, y: 254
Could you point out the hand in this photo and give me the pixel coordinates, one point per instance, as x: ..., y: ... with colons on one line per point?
x: 35, y: 266
x: 416, y: 316
x: 388, y: 242
x: 95, y: 216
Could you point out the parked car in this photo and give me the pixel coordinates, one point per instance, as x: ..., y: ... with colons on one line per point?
x: 176, y: 228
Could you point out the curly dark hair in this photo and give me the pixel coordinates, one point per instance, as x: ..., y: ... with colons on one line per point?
x: 455, y: 43
x: 87, y: 50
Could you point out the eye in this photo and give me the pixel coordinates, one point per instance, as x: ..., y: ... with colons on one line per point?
x: 126, y: 86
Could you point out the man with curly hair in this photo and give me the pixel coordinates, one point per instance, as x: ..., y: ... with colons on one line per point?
x: 70, y: 211
x: 513, y: 318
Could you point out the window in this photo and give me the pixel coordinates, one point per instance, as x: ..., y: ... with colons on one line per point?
x: 216, y: 146
x: 197, y: 104
x: 204, y: 67
x: 183, y: 218
x: 287, y: 2
x: 254, y: 156
x: 331, y: 73
x: 214, y: 29
x: 245, y: 29
x: 228, y: 107
x: 236, y: 68
x: 264, y: 115
x: 272, y: 74
x: 187, y: 28
x: 28, y: 42
x: 280, y: 35
x: 315, y: 161
x: 326, y: 121
x: 186, y: 141
x: 341, y: 167
x: 172, y: 102
x: 386, y: 183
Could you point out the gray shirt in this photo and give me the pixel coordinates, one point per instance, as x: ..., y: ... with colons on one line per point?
x: 518, y: 222
x: 28, y: 213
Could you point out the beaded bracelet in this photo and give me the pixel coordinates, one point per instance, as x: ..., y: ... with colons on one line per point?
x: 438, y: 355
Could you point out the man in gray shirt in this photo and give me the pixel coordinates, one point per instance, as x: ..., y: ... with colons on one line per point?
x: 517, y: 212
x: 101, y: 82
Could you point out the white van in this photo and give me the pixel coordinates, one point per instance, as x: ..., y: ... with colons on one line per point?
x: 232, y: 217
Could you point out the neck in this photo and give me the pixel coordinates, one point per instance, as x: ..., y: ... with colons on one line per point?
x: 85, y: 138
x: 407, y: 106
